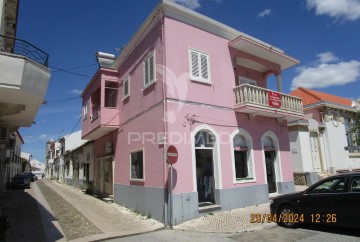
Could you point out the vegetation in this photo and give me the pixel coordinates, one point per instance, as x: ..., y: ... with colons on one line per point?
x: 355, y: 128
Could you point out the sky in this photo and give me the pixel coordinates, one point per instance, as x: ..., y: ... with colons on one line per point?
x: 324, y: 35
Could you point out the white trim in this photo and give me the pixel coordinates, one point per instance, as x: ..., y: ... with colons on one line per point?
x: 152, y: 53
x: 277, y: 162
x: 200, y: 78
x: 250, y: 155
x: 134, y: 151
x: 128, y: 81
x: 216, y: 156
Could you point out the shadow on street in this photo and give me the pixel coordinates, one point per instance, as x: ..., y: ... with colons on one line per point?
x: 22, y: 211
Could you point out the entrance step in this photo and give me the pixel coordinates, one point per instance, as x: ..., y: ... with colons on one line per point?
x: 209, y: 208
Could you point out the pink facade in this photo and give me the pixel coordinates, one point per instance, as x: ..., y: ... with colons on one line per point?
x: 174, y: 108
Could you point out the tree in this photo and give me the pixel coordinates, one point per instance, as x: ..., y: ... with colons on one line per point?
x: 354, y: 129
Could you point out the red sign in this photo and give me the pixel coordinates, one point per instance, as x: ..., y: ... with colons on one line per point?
x: 171, y: 155
x: 274, y: 99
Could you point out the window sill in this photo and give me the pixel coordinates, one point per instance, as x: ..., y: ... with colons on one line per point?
x: 125, y: 98
x: 137, y: 182
x: 245, y: 180
x: 148, y: 85
x: 202, y: 81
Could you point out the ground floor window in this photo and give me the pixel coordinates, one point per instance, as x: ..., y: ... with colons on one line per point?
x: 137, y: 165
x: 243, y: 164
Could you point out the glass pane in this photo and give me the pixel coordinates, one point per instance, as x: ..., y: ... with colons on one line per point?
x: 204, y: 139
x: 355, y: 184
x: 137, y: 165
x: 330, y: 186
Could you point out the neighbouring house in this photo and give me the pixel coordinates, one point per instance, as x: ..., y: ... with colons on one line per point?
x: 189, y: 81
x: 24, y: 79
x: 52, y: 164
x: 317, y: 142
x: 13, y: 164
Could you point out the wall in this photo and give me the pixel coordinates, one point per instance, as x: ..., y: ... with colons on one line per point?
x: 300, y: 140
x: 2, y: 17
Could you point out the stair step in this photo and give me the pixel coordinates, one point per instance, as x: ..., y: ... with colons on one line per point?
x: 209, y: 208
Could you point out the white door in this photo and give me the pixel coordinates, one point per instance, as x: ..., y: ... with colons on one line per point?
x: 315, y: 154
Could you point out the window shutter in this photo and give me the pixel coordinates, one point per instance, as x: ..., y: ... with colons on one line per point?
x: 195, y: 72
x: 151, y: 69
x: 204, y: 67
x: 146, y: 69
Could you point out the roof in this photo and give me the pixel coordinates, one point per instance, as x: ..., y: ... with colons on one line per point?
x: 311, y: 97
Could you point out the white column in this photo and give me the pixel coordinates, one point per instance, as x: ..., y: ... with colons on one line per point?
x: 279, y: 83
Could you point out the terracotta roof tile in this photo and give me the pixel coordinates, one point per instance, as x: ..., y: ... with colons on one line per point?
x: 311, y: 96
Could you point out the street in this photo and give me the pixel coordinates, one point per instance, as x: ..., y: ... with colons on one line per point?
x: 271, y: 234
x: 50, y: 211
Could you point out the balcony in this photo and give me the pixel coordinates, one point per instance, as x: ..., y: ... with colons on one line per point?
x: 257, y: 101
x: 24, y: 80
x: 101, y: 99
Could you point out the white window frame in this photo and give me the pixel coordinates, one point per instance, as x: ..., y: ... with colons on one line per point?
x: 135, y: 151
x: 127, y: 80
x: 199, y: 78
x: 249, y: 156
x: 154, y: 70
x: 85, y: 110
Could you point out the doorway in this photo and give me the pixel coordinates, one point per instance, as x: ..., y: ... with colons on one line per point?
x: 205, y: 176
x: 270, y: 170
x: 204, y: 161
x: 315, y: 154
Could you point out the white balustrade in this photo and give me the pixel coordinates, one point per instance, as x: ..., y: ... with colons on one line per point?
x: 249, y: 94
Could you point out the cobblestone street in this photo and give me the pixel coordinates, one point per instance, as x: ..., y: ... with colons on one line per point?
x: 50, y: 211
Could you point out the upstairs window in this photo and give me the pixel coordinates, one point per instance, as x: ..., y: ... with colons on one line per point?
x: 199, y: 66
x: 126, y: 88
x: 85, y: 110
x: 149, y: 72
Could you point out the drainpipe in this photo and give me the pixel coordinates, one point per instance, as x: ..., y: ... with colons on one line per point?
x: 166, y: 166
x: 279, y: 82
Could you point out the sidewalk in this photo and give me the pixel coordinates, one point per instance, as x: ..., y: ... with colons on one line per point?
x: 81, y: 217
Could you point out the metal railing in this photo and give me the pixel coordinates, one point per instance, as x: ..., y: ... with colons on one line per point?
x: 22, y: 47
x: 246, y: 93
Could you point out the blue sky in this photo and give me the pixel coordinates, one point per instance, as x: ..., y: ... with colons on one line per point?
x: 324, y: 35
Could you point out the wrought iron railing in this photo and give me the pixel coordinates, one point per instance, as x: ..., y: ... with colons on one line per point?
x: 22, y: 47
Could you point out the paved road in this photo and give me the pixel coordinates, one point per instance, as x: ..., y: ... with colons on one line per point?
x: 50, y: 211
x: 272, y: 234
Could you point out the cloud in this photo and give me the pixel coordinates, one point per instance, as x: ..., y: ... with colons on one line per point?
x: 325, y: 73
x: 264, y: 13
x: 327, y: 57
x: 76, y: 91
x: 192, y: 4
x: 338, y: 9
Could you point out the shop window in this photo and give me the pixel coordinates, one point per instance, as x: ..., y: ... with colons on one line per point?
x: 242, y: 161
x: 137, y: 165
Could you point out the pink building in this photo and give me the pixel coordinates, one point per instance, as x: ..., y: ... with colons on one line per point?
x: 187, y: 80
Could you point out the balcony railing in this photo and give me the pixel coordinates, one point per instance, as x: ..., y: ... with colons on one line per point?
x: 22, y: 47
x: 257, y: 96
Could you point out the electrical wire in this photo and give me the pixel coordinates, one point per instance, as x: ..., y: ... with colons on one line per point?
x: 70, y: 72
x: 73, y: 128
x: 62, y: 100
x: 72, y: 68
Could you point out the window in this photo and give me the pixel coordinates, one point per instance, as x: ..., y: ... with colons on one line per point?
x: 335, y: 185
x: 149, y: 72
x: 245, y: 80
x: 126, y: 88
x: 199, y: 66
x: 355, y: 184
x: 243, y: 165
x: 85, y: 110
x: 137, y: 165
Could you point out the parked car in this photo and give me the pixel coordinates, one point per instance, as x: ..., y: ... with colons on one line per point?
x: 20, y: 180
x: 332, y: 201
x: 32, y: 176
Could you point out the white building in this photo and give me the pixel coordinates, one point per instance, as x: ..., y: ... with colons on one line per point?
x: 24, y: 79
x: 317, y: 142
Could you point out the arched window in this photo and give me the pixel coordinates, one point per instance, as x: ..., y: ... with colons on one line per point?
x: 204, y: 139
x: 243, y: 165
